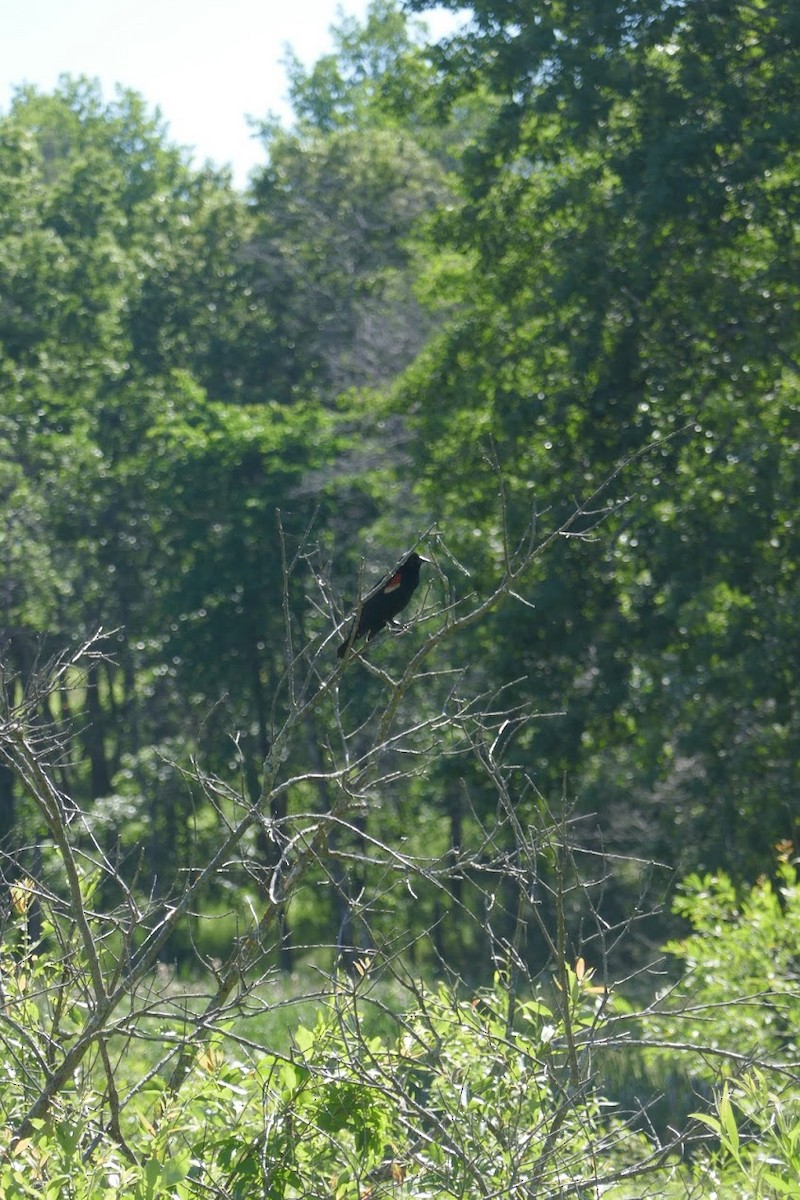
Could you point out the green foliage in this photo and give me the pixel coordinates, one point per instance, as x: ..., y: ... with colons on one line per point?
x: 346, y: 88
x: 724, y: 1030
x: 472, y: 283
x: 115, y: 1078
x: 758, y: 1127
x: 625, y: 280
x: 743, y: 945
x: 469, y: 1088
x: 335, y: 214
x: 507, y: 264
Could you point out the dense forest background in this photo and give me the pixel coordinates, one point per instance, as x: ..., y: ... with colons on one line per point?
x: 506, y: 902
x: 555, y: 253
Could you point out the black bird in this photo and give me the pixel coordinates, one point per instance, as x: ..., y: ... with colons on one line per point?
x: 385, y: 601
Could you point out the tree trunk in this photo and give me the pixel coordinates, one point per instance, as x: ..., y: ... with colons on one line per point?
x: 94, y: 739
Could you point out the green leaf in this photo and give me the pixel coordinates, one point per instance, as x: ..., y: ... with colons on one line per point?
x: 780, y: 1184
x: 304, y: 1039
x: 729, y: 1131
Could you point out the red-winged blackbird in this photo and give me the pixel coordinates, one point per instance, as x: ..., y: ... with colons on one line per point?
x: 385, y: 601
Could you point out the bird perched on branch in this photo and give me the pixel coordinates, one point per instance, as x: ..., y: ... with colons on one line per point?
x: 385, y: 601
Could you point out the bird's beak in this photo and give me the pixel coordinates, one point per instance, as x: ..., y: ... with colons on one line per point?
x: 422, y: 558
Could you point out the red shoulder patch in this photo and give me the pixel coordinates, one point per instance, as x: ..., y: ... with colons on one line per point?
x: 393, y: 584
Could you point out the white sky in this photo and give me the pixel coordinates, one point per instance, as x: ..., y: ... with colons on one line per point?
x: 206, y: 64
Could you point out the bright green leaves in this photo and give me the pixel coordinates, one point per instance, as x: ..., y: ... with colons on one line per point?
x: 345, y: 89
x: 743, y: 943
x: 148, y: 434
x: 335, y: 218
x: 626, y: 215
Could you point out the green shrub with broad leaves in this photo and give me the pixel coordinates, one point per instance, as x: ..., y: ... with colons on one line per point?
x: 498, y: 1091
